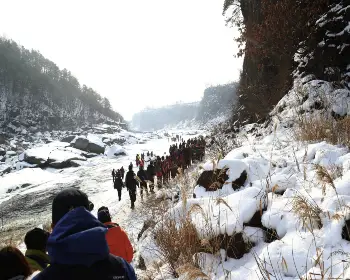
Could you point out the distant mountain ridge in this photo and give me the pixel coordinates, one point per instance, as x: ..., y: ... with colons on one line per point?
x: 158, y: 118
x: 217, y: 101
x: 36, y: 95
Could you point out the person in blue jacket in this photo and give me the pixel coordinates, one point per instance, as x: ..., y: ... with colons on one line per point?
x: 77, y: 245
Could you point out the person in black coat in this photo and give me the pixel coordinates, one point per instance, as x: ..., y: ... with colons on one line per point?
x: 131, y: 185
x: 122, y: 172
x: 143, y: 177
x: 151, y: 172
x: 118, y: 184
x: 113, y: 174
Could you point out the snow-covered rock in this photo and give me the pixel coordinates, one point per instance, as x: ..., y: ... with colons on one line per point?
x: 92, y: 143
x: 80, y: 143
x: 68, y: 139
x: 115, y: 151
x: 62, y: 158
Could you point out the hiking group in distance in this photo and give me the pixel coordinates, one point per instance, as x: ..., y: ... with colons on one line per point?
x: 82, y: 246
x: 159, y: 169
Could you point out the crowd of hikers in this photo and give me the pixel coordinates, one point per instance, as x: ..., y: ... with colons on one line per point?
x: 82, y: 246
x: 156, y: 170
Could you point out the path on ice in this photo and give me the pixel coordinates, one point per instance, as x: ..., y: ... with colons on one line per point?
x: 30, y: 205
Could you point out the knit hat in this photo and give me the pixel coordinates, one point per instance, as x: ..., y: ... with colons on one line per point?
x: 103, y: 215
x: 68, y: 199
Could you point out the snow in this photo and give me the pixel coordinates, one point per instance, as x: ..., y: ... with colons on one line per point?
x: 114, y: 151
x: 96, y: 139
x: 280, y: 171
x: 12, y: 181
x: 236, y: 167
x: 208, y: 166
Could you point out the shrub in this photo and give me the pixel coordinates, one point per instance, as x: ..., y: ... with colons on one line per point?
x: 324, y: 128
x: 178, y: 243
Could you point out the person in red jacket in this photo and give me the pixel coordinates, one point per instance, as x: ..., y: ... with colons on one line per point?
x: 117, y: 239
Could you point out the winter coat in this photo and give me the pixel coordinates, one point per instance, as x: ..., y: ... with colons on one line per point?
x: 78, y: 250
x: 122, y: 171
x: 151, y: 172
x: 37, y: 259
x: 118, y: 242
x: 118, y: 183
x: 130, y: 181
x: 142, y: 175
x: 157, y: 166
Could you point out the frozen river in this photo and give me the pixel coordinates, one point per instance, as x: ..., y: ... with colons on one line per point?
x: 26, y: 195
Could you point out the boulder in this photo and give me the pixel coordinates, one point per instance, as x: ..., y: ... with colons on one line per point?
x: 63, y: 159
x: 90, y: 155
x: 212, y: 180
x: 81, y: 143
x: 11, y: 153
x: 115, y: 151
x: 270, y: 235
x: 34, y: 159
x: 2, y: 139
x: 2, y: 152
x: 239, y: 182
x: 235, y: 245
x: 68, y: 139
x: 95, y: 148
x: 76, y: 163
x: 5, y: 169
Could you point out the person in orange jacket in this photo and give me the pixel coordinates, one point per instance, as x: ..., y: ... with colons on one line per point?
x: 117, y: 239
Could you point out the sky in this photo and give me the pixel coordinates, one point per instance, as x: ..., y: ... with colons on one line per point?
x: 137, y: 53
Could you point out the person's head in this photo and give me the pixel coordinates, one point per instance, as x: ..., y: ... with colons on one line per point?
x: 67, y: 200
x: 130, y: 167
x: 103, y: 215
x: 36, y: 239
x: 13, y: 263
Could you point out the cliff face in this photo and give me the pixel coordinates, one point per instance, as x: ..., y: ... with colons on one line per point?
x: 326, y: 51
x: 276, y: 32
x: 264, y: 79
x: 217, y: 101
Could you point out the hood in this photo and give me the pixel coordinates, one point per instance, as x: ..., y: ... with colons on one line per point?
x: 78, y: 239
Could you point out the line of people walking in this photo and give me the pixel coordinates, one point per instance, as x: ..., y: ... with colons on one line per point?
x: 160, y: 169
x: 80, y: 245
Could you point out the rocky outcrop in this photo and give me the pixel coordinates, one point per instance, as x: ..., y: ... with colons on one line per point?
x: 81, y: 143
x: 68, y: 139
x: 84, y: 144
x: 212, y: 180
x: 95, y: 148
x: 326, y: 52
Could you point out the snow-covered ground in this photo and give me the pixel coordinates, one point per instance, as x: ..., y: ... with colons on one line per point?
x: 299, y: 191
x: 26, y: 194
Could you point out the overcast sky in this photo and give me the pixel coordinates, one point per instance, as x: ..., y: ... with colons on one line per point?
x: 137, y: 53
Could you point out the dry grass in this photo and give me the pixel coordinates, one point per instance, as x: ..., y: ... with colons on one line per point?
x: 308, y: 212
x: 192, y: 272
x: 178, y: 243
x: 324, y: 128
